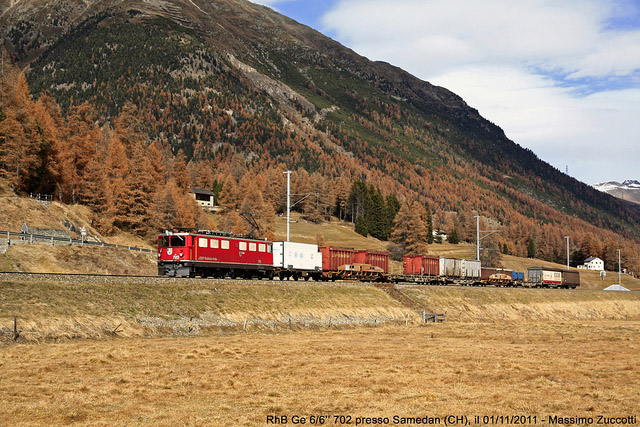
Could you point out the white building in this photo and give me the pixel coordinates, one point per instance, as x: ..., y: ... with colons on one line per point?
x: 592, y: 263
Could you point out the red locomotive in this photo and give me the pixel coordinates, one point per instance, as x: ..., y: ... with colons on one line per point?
x: 213, y: 254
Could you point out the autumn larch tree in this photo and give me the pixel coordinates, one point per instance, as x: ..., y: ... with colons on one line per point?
x: 410, y: 229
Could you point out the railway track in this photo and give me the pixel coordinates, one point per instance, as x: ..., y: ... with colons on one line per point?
x: 145, y: 279
x: 141, y: 279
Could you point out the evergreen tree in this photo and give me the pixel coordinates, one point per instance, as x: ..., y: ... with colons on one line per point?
x: 341, y: 186
x: 531, y: 249
x: 453, y: 237
x: 357, y: 199
x: 375, y: 214
x: 392, y: 206
x: 361, y: 226
x: 429, y: 223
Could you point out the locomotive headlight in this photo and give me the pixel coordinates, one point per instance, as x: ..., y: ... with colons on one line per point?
x: 181, y: 254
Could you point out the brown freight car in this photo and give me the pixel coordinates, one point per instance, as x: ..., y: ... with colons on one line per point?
x: 426, y: 265
x: 375, y: 258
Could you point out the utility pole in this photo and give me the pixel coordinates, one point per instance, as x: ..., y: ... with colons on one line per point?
x: 619, y: 269
x: 478, y: 238
x: 567, y: 237
x: 288, y: 173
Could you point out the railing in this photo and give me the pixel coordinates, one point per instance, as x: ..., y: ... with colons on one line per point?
x: 41, y: 197
x: 32, y: 238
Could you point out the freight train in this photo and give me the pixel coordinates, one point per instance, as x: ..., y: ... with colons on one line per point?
x: 207, y: 253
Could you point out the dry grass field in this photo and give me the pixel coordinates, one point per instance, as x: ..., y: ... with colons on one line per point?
x: 182, y: 356
x: 535, y: 369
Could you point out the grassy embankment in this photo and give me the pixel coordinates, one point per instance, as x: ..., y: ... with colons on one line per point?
x: 94, y: 308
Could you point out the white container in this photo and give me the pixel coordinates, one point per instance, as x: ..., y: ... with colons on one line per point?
x: 296, y: 256
x: 472, y: 269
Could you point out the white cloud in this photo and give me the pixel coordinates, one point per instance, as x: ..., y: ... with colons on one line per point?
x: 492, y: 53
x: 596, y: 136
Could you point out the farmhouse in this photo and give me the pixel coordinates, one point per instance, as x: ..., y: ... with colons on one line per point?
x: 592, y: 263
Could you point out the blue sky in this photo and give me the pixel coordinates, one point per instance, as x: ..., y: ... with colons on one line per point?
x: 561, y: 78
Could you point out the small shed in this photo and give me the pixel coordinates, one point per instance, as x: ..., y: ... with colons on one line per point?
x: 204, y: 197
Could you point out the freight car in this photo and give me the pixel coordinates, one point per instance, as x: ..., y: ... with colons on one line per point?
x: 347, y: 263
x: 460, y: 271
x: 497, y: 277
x: 545, y: 277
x: 429, y: 269
x: 293, y: 260
x: 423, y: 269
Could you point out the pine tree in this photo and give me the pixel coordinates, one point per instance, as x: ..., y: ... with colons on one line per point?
x: 531, y: 249
x: 341, y: 186
x: 429, y: 223
x: 392, y: 206
x: 375, y: 213
x: 143, y: 219
x: 453, y: 237
x: 357, y: 199
x: 361, y: 226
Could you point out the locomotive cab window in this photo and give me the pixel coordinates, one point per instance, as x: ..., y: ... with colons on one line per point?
x: 166, y: 241
x: 202, y: 242
x: 269, y: 248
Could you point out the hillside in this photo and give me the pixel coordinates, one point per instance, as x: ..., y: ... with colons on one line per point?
x: 43, y: 258
x: 238, y: 89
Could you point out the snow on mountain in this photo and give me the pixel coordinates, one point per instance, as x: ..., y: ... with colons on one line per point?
x: 627, y: 190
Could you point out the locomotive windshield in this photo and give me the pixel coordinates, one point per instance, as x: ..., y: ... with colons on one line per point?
x: 173, y: 241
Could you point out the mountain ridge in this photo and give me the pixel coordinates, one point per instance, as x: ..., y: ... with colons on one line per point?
x: 214, y: 78
x: 628, y: 190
